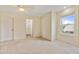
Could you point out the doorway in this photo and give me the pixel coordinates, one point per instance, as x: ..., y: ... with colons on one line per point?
x: 29, y: 24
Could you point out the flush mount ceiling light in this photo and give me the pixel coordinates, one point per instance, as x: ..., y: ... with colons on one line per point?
x: 64, y: 7
x: 24, y: 8
x: 21, y: 8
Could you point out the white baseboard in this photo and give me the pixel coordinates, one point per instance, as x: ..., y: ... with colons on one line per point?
x: 11, y: 39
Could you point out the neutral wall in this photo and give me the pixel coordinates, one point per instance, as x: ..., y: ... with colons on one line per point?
x: 41, y: 26
x: 17, y: 24
x: 71, y: 39
x: 6, y: 28
x: 77, y: 24
x: 0, y: 27
x: 19, y: 27
x: 46, y: 26
x: 35, y: 26
x: 53, y: 25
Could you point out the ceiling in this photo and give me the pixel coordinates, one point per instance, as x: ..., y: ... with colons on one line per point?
x: 31, y: 10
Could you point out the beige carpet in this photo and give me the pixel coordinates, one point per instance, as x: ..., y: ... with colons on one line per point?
x: 34, y: 45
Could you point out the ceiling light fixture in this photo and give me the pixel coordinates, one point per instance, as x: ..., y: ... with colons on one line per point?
x: 21, y: 9
x: 64, y: 7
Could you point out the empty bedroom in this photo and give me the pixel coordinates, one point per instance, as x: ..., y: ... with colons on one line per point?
x: 39, y: 29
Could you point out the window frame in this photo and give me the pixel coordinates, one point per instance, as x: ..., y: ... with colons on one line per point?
x: 69, y: 34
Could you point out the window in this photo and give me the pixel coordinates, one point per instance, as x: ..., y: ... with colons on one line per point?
x: 68, y: 24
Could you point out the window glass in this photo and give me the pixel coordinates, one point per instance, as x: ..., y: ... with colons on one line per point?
x: 68, y: 24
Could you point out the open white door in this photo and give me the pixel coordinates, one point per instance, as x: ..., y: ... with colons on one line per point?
x: 6, y: 28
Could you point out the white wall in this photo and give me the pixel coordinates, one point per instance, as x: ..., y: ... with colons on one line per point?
x: 46, y: 26
x: 35, y: 26
x: 0, y: 27
x: 71, y: 39
x: 53, y: 25
x: 19, y: 27
x: 77, y: 24
x: 42, y: 25
x: 6, y: 28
